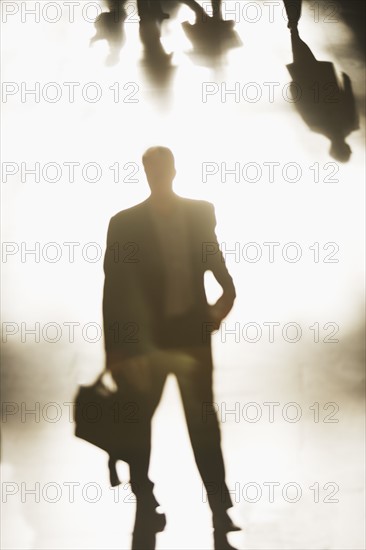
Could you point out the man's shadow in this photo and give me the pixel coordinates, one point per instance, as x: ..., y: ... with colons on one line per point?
x: 325, y: 102
x: 156, y: 62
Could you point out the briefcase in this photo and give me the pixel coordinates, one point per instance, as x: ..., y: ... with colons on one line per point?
x: 105, y: 420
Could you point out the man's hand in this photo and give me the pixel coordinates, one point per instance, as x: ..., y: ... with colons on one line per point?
x: 219, y: 311
x: 136, y: 370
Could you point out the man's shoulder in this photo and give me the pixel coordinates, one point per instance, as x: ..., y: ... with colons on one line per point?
x: 198, y: 205
x: 128, y: 213
x: 133, y: 214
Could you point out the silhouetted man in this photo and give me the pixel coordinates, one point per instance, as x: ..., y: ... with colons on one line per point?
x: 157, y: 321
x: 325, y: 103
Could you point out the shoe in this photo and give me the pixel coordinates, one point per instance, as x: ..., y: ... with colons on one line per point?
x: 151, y: 520
x: 158, y: 522
x: 221, y: 542
x: 224, y: 524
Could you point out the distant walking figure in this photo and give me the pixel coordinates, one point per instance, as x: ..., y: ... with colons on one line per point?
x: 325, y: 103
x: 157, y: 321
x: 110, y: 27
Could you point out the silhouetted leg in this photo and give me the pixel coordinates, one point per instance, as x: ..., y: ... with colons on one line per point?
x: 197, y: 396
x: 221, y: 542
x: 143, y: 7
x: 216, y: 9
x: 139, y: 434
x: 157, y: 10
x: 150, y: 9
x: 301, y: 52
x: 150, y: 34
x: 293, y: 10
x: 143, y: 540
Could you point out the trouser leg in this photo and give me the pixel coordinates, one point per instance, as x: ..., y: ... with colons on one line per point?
x: 155, y: 7
x: 293, y: 10
x: 139, y: 433
x: 302, y: 54
x: 216, y: 9
x: 149, y: 9
x: 204, y: 431
x: 143, y: 7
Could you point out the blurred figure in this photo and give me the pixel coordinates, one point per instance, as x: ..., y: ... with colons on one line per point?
x: 326, y: 105
x: 109, y: 26
x: 293, y: 10
x: 157, y: 321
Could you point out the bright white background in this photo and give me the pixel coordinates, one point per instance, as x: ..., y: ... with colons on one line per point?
x: 305, y: 292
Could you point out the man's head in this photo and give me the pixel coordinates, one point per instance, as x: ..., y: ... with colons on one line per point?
x: 340, y: 150
x: 159, y: 168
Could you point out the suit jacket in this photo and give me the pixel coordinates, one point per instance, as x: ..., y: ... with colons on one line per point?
x: 133, y: 297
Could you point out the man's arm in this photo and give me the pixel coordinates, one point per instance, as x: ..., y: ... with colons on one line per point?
x: 126, y: 321
x: 214, y: 261
x: 112, y: 291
